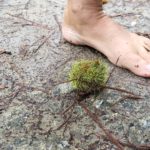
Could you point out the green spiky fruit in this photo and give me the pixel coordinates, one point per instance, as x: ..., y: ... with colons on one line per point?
x: 88, y: 75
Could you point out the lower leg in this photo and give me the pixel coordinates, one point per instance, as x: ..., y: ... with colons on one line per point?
x: 86, y: 24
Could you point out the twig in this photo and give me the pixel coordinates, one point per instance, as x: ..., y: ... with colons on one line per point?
x: 68, y: 108
x: 109, y: 135
x: 66, y: 121
x: 32, y: 22
x: 126, y: 97
x: 28, y: 87
x: 121, y: 90
x: 10, y: 99
x: 122, y: 15
x: 67, y: 81
x: 108, y: 87
x: 5, y: 52
x: 136, y: 147
x: 42, y: 43
x: 113, y: 69
x: 60, y: 28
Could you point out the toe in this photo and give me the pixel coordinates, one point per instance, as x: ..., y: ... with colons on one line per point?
x: 147, y: 45
x: 143, y: 48
x: 137, y: 65
x: 144, y: 52
x: 146, y: 41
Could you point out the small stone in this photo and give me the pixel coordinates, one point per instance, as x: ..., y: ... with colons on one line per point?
x: 133, y: 23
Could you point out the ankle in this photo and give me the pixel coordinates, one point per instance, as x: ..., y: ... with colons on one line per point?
x: 84, y: 6
x: 83, y: 12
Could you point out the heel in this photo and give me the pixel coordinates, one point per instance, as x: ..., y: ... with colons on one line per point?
x: 71, y: 36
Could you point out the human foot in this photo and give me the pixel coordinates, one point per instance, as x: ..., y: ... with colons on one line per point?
x: 91, y: 27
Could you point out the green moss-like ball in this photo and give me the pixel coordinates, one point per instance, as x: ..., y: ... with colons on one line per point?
x: 88, y: 75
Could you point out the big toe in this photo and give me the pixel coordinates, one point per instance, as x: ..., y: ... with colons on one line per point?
x: 136, y: 64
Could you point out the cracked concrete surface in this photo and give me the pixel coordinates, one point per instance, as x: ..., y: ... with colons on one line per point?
x: 29, y: 30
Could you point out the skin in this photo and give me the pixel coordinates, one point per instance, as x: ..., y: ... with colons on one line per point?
x: 86, y: 24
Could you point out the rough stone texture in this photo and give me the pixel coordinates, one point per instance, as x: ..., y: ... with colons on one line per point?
x: 30, y: 105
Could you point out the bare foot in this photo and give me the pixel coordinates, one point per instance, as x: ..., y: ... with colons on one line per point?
x: 91, y: 27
